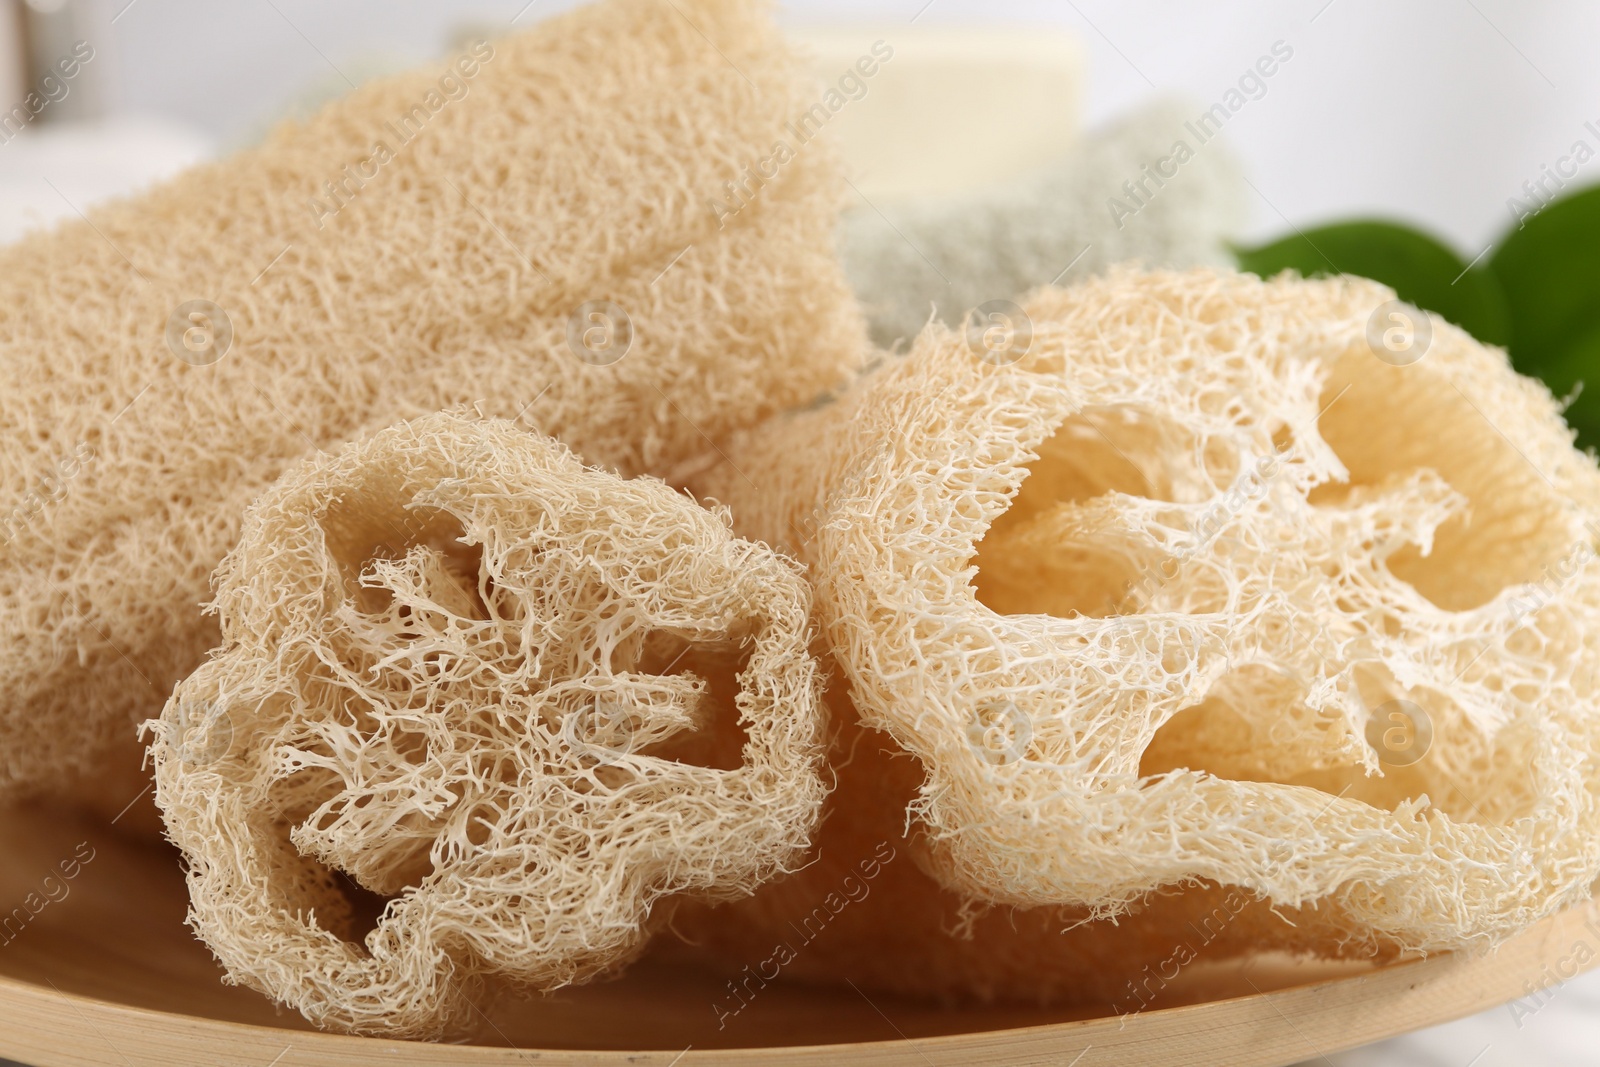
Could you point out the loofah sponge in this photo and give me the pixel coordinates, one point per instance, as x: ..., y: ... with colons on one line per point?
x: 861, y: 910
x: 1210, y: 579
x: 448, y: 674
x: 529, y: 229
x: 1072, y: 219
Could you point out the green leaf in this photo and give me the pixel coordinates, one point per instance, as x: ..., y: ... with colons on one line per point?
x: 1579, y: 362
x: 1549, y: 269
x: 1422, y: 270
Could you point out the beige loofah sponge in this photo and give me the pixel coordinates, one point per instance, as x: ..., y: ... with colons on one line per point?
x: 1211, y: 579
x: 469, y: 234
x: 448, y: 674
x: 861, y: 910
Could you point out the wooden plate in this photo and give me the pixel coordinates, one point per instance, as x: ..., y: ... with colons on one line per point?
x: 100, y: 970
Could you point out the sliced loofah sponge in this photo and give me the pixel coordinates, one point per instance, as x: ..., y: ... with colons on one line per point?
x: 861, y: 910
x: 1210, y: 579
x: 454, y: 663
x: 1102, y: 203
x: 451, y: 236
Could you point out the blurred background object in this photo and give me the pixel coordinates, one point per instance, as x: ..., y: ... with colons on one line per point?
x: 13, y: 51
x: 1049, y: 225
x: 59, y: 60
x: 1435, y: 111
x: 947, y: 109
x: 67, y: 136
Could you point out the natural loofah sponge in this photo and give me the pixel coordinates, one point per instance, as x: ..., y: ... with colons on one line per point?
x: 1194, y: 585
x: 861, y: 910
x: 1101, y: 204
x: 454, y: 663
x: 498, y: 231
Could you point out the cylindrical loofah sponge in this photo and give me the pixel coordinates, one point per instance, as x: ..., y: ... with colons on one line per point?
x: 530, y: 228
x: 1211, y: 579
x: 1074, y: 218
x: 456, y: 670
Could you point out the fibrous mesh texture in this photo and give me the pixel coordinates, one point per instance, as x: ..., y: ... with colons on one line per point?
x: 1148, y: 600
x: 1058, y: 225
x: 455, y: 672
x: 862, y: 910
x: 579, y: 166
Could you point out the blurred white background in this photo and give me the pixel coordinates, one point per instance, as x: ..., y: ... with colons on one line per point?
x: 1432, y: 111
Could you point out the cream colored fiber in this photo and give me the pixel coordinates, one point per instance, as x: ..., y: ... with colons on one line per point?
x: 1055, y: 225
x: 1135, y: 598
x: 456, y: 670
x: 578, y: 166
x: 861, y: 910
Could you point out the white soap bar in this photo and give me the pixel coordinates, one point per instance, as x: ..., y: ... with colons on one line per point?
x: 945, y: 109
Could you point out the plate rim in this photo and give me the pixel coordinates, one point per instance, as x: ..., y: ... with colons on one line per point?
x: 37, y: 1023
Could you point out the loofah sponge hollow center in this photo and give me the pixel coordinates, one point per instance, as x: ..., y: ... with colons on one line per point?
x: 495, y: 690
x: 1205, y: 584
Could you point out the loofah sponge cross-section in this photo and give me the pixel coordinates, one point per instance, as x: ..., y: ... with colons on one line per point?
x: 862, y: 911
x: 1210, y: 579
x: 456, y: 672
x: 528, y: 227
